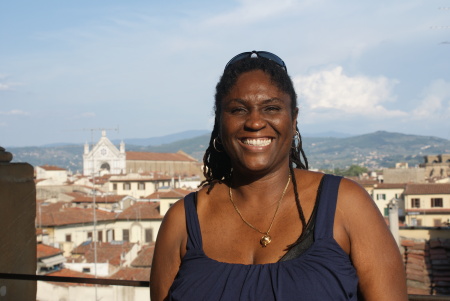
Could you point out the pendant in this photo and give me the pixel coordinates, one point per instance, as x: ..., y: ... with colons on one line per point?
x: 265, y: 240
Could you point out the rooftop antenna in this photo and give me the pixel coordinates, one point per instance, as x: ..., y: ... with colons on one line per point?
x: 94, y: 193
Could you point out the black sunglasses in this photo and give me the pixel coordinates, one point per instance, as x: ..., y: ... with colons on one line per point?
x: 263, y: 54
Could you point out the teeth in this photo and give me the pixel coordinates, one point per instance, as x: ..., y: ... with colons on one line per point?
x: 257, y: 142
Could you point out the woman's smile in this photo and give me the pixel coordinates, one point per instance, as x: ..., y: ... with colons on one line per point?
x: 257, y: 141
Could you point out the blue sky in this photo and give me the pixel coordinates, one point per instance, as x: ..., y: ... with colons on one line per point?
x: 150, y: 67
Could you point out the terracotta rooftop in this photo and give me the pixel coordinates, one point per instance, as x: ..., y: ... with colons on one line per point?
x: 57, y: 215
x: 51, y: 167
x: 106, y: 252
x: 141, y: 210
x: 139, y: 274
x: 427, y: 189
x: 70, y: 273
x: 145, y: 257
x: 176, y: 193
x: 108, y: 199
x: 147, y: 156
x: 44, y: 251
x: 427, y: 266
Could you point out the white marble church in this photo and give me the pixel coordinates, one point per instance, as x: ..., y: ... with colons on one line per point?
x: 104, y: 158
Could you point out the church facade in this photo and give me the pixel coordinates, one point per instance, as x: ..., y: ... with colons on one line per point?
x: 106, y: 158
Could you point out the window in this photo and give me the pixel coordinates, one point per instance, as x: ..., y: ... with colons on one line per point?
x: 126, y: 186
x: 126, y: 235
x: 436, y: 202
x: 110, y: 235
x: 381, y: 196
x: 437, y: 222
x: 68, y: 237
x: 89, y: 235
x: 416, y: 222
x: 100, y: 235
x: 86, y: 270
x: 415, y: 203
x: 114, y: 186
x: 141, y: 186
x: 148, y: 235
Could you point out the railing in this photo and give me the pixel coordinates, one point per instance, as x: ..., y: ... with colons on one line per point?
x: 134, y: 283
x: 99, y: 281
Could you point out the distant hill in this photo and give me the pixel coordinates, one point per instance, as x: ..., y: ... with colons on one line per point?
x: 375, y: 150
x: 154, y: 141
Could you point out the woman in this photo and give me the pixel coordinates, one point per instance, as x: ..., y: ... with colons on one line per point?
x: 260, y: 229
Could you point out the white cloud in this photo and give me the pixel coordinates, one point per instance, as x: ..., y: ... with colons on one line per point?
x: 4, y: 87
x: 435, y: 101
x: 88, y: 114
x: 330, y: 91
x: 4, y: 84
x: 14, y: 112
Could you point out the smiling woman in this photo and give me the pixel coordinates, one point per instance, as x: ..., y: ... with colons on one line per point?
x: 263, y: 227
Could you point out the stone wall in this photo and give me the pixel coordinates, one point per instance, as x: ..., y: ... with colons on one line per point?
x: 17, y: 225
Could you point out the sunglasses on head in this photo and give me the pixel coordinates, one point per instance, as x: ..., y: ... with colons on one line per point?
x: 263, y: 54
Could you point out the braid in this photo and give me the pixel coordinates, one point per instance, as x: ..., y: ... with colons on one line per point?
x: 297, y: 199
x: 216, y: 164
x: 297, y: 153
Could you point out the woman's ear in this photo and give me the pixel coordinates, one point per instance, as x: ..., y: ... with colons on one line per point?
x: 294, y: 118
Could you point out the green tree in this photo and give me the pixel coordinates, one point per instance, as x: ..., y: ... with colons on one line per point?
x: 352, y: 171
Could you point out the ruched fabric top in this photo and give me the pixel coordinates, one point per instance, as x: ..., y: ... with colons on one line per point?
x: 323, y: 272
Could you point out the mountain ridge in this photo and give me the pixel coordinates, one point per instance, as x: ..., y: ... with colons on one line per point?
x: 373, y: 150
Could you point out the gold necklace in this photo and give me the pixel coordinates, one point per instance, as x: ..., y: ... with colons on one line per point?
x: 266, y: 239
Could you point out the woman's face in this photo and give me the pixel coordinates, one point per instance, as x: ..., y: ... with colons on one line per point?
x: 256, y: 124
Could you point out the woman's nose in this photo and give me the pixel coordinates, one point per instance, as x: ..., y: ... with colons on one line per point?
x: 255, y: 121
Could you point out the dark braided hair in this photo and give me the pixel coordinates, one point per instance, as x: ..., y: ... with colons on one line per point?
x: 217, y: 164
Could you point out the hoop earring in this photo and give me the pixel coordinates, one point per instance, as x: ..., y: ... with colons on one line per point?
x: 214, y: 145
x: 296, y: 137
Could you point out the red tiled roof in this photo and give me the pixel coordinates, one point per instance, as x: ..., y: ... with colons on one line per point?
x: 141, y: 210
x: 427, y: 266
x: 427, y: 189
x: 51, y: 167
x: 66, y: 216
x: 106, y: 252
x: 176, y: 193
x: 144, y: 258
x: 146, y: 156
x: 108, y: 199
x: 139, y: 274
x: 44, y: 251
x: 70, y: 273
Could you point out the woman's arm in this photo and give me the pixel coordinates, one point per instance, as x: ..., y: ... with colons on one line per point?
x: 169, y: 249
x: 373, y: 250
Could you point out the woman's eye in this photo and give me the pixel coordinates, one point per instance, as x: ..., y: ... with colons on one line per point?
x: 272, y: 109
x: 237, y: 110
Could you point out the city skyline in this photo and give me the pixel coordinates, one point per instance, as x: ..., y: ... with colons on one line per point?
x: 151, y: 68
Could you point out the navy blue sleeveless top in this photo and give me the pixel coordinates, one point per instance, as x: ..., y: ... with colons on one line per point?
x: 323, y: 272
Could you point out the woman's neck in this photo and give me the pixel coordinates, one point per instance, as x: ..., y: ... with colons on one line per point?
x: 260, y: 189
